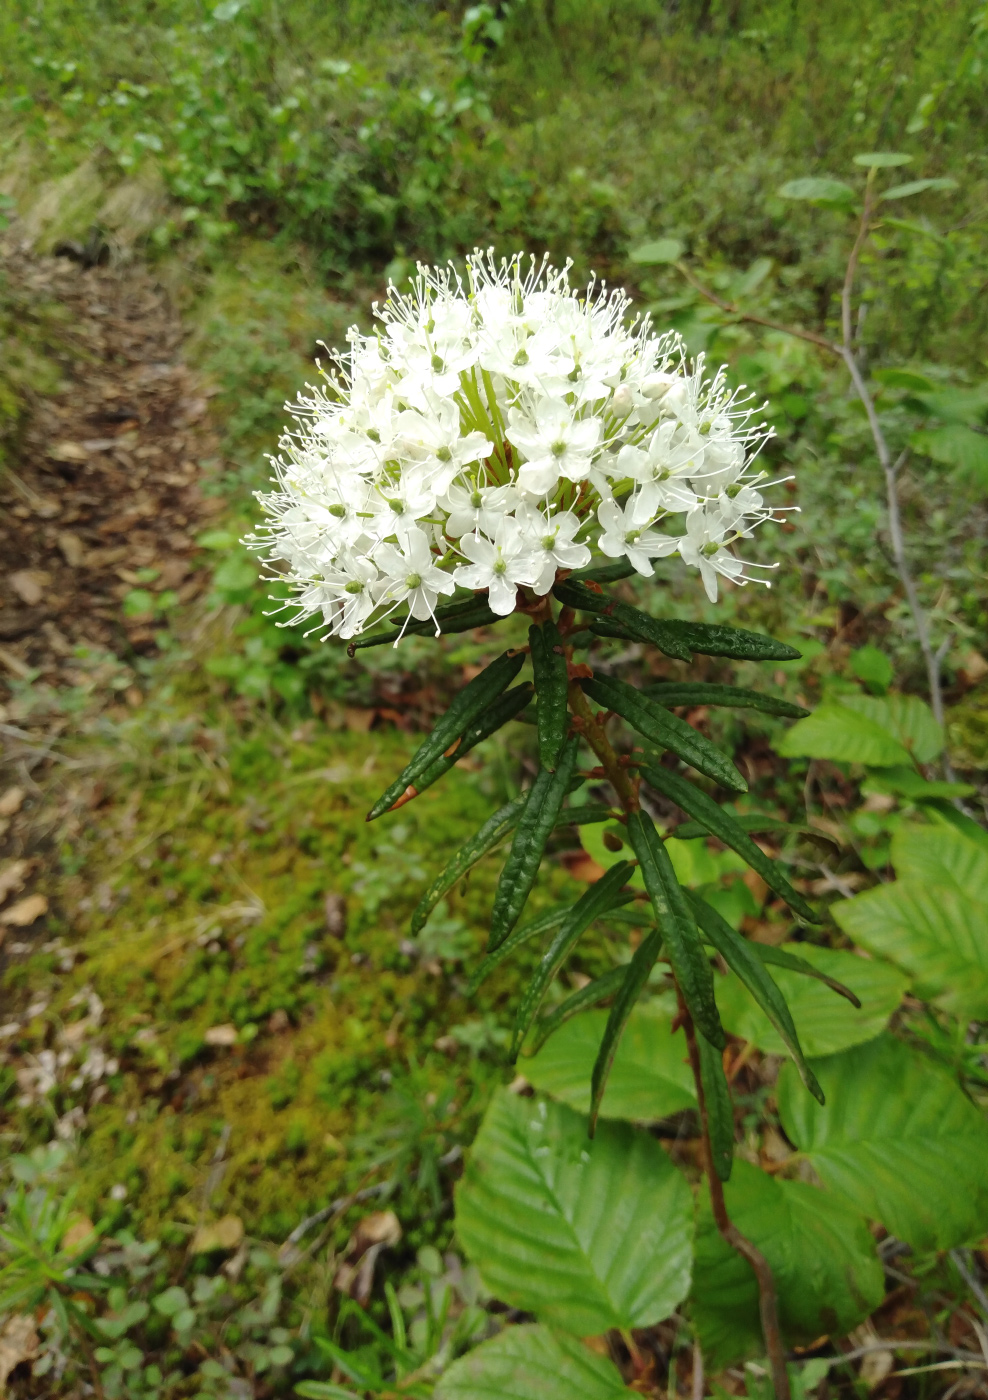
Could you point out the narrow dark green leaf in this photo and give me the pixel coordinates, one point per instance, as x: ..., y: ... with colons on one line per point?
x: 458, y: 617
x: 494, y: 829
x: 776, y: 957
x: 678, y: 926
x: 664, y: 729
x: 726, y: 827
x: 589, y: 995
x: 550, y: 920
x: 710, y: 639
x: 617, y: 619
x: 745, y: 961
x: 603, y: 573
x: 506, y: 707
x: 630, y: 630
x: 466, y: 706
x: 635, y: 976
x: 720, y: 1110
x: 539, y: 815
x: 551, y: 686
x: 601, y: 896
x: 753, y: 822
x: 671, y: 693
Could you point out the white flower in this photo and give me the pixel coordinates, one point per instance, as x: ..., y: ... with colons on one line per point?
x: 500, y: 565
x: 412, y: 575
x: 622, y: 537
x: 550, y: 539
x: 480, y: 438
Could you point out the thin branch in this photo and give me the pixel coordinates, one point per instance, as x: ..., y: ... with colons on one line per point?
x: 732, y: 310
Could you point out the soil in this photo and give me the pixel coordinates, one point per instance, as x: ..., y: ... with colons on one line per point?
x: 102, y: 499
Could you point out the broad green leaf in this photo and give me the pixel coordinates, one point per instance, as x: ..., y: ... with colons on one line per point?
x: 837, y: 732
x: 546, y: 1215
x: 933, y: 921
x: 882, y: 160
x: 673, y: 693
x: 955, y: 445
x: 827, y: 1274
x: 531, y: 1363
x: 820, y: 188
x: 897, y: 1139
x: 906, y: 716
x: 649, y: 1078
x: 907, y: 783
x: 657, y: 252
x: 917, y: 187
x: 903, y: 379
x: 826, y: 1022
x: 871, y: 665
x: 953, y: 404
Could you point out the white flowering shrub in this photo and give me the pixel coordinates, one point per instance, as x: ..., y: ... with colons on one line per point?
x: 498, y: 428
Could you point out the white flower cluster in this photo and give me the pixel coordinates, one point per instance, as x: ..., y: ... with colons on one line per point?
x: 500, y: 427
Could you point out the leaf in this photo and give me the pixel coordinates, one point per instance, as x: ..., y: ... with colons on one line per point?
x: 614, y: 618
x: 871, y: 665
x: 917, y: 187
x: 466, y: 706
x: 743, y: 959
x: 826, y: 1022
x: 657, y: 252
x: 531, y: 1363
x: 643, y: 960
x: 725, y: 826
x: 775, y: 957
x: 546, y: 1215
x: 678, y: 927
x: 681, y: 639
x: 907, y: 783
x: 494, y: 829
x: 604, y: 573
x: 506, y: 707
x: 720, y: 1110
x: 882, y: 160
x: 601, y: 896
x: 649, y: 1077
x: 955, y: 446
x: 933, y: 921
x: 459, y: 617
x: 844, y: 735
x: 755, y: 823
x: 819, y: 188
x: 664, y: 729
x: 535, y: 822
x: 672, y: 693
x: 549, y: 920
x: 903, y: 379
x: 551, y: 687
x: 898, y: 1140
x: 827, y: 1275
x: 589, y: 995
x: 324, y: 1390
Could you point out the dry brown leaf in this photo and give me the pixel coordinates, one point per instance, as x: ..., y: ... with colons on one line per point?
x: 72, y: 548
x: 18, y: 1343
x: 12, y: 878
x: 29, y: 585
x: 78, y: 1235
x: 25, y: 911
x: 11, y: 802
x: 355, y: 1276
x: 68, y: 452
x: 221, y: 1035
x: 225, y: 1234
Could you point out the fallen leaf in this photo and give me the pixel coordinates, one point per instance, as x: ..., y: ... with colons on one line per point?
x: 11, y: 802
x: 18, y: 1343
x: 25, y: 911
x: 355, y: 1276
x: 72, y: 547
x: 68, y: 452
x: 358, y: 721
x: 582, y: 867
x: 225, y: 1234
x: 79, y: 1234
x: 221, y: 1035
x: 29, y: 585
x: 12, y: 878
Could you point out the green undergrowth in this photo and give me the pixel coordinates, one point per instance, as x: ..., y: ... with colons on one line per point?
x: 200, y: 914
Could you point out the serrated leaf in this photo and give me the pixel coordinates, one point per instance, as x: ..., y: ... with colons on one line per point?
x: 827, y: 1274
x: 906, y: 716
x: 493, y: 831
x: 649, y: 1077
x: 933, y: 921
x: 467, y: 705
x: 677, y: 925
x: 546, y: 1214
x: 725, y: 826
x: 917, y: 187
x: 604, y: 894
x: 843, y: 735
x: 957, y: 446
x: 720, y: 1110
x: 673, y: 693
x: 531, y: 1363
x: 657, y: 252
x: 882, y: 160
x: 814, y: 187
x: 748, y: 968
x: 665, y: 729
x: 907, y: 783
x: 536, y: 820
x: 551, y: 688
x: 580, y: 1000
x: 826, y: 1023
x: 897, y: 1139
